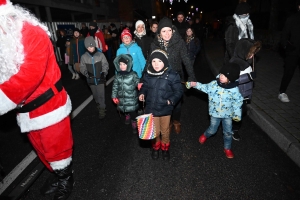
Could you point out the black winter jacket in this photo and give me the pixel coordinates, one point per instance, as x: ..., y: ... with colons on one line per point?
x: 291, y: 35
x: 231, y: 38
x: 144, y: 42
x: 177, y: 53
x: 158, y: 90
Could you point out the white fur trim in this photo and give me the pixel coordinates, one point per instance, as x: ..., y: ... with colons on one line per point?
x: 29, y: 124
x: 61, y: 164
x: 6, y: 104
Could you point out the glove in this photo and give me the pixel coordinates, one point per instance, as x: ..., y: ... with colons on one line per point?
x: 236, y: 119
x: 139, y: 86
x: 188, y: 85
x: 102, y: 77
x: 116, y: 100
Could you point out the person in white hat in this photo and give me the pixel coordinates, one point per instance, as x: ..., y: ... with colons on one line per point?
x: 30, y: 83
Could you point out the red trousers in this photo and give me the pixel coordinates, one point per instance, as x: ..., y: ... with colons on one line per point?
x: 53, y: 143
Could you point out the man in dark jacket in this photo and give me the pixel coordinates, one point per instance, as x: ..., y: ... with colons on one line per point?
x: 291, y: 42
x: 238, y: 26
x: 180, y: 24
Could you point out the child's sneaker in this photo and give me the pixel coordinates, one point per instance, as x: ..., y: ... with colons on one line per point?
x: 202, y: 139
x: 228, y: 153
x: 127, y: 119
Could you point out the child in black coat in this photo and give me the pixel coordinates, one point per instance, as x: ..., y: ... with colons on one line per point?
x: 161, y: 90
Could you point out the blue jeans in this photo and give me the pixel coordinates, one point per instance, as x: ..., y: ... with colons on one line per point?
x: 227, y: 130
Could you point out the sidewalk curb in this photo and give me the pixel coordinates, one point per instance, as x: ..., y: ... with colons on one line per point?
x: 284, y: 140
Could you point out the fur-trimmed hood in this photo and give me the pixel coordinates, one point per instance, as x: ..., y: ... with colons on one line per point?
x: 127, y: 57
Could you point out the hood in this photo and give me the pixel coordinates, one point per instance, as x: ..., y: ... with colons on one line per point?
x: 126, y: 57
x: 243, y: 49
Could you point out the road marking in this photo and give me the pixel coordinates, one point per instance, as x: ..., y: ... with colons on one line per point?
x: 32, y: 155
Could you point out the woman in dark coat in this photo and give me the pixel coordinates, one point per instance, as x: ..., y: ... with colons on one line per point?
x: 169, y: 40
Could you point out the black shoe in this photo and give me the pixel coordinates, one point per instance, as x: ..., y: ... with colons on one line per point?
x: 50, y: 186
x: 165, y: 155
x: 236, y: 136
x: 155, y: 154
x: 65, y: 183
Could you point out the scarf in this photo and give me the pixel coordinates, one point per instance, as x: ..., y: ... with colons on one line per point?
x: 228, y: 85
x: 163, y: 43
x: 243, y: 27
x: 151, y: 71
x: 93, y: 31
x: 189, y: 39
x: 140, y: 35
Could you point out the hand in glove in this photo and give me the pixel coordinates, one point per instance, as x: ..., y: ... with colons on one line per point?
x: 236, y: 119
x: 102, y: 77
x: 116, y: 100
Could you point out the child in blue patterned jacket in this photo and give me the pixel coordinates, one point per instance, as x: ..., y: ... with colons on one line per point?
x: 225, y: 103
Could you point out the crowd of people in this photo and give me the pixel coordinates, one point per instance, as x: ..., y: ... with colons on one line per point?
x: 151, y: 64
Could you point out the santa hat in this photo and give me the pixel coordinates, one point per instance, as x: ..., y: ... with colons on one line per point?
x: 139, y: 22
x: 126, y: 32
x: 5, y: 6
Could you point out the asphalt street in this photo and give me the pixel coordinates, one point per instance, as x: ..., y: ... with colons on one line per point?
x: 112, y: 163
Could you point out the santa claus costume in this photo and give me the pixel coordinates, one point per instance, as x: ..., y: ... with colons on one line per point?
x: 30, y: 82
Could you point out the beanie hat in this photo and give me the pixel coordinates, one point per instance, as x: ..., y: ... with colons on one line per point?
x: 231, y: 71
x: 94, y: 24
x: 126, y: 32
x: 76, y: 29
x: 161, y: 55
x: 112, y: 25
x: 139, y: 22
x: 123, y: 60
x: 164, y: 22
x: 180, y: 13
x: 242, y: 8
x: 89, y: 42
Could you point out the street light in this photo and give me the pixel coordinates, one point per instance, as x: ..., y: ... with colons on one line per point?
x: 171, y: 1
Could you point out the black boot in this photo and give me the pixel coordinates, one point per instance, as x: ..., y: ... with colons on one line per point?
x: 165, y: 151
x: 155, y: 154
x: 65, y: 183
x: 50, y: 186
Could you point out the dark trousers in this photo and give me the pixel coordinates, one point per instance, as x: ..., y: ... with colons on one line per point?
x: 291, y: 62
x: 133, y: 115
x: 237, y: 125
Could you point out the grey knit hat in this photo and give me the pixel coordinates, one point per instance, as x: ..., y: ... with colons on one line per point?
x: 89, y: 42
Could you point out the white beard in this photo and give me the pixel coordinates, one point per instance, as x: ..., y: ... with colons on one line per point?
x: 12, y: 19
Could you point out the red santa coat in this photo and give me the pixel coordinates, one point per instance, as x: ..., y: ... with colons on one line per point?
x: 37, y: 74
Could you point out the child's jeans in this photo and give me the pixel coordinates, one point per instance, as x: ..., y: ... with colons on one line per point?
x: 227, y: 130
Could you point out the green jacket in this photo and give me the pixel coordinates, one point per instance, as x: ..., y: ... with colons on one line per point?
x: 125, y: 86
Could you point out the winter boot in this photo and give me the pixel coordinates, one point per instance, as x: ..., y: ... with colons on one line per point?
x: 127, y: 119
x: 134, y: 127
x: 77, y: 76
x: 65, y: 183
x: 165, y: 151
x: 177, y: 126
x: 74, y: 75
x: 155, y: 150
x: 50, y: 186
x: 102, y: 113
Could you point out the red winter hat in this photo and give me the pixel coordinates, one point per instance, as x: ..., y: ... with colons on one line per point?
x: 126, y: 32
